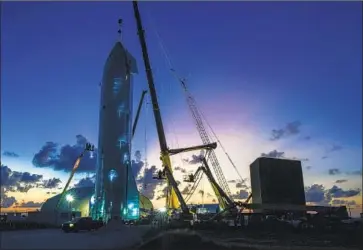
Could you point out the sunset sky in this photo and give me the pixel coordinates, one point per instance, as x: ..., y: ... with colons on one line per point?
x: 276, y: 78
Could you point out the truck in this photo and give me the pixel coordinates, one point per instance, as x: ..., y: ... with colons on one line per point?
x: 81, y: 224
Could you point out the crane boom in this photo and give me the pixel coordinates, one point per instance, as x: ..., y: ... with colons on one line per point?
x: 174, y: 198
x: 205, y: 138
x: 89, y: 147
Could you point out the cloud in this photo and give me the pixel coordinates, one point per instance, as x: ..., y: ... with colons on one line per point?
x: 241, y: 194
x: 307, y: 138
x: 335, y: 148
x: 137, y: 164
x: 337, y: 192
x: 52, y: 183
x: 6, y: 201
x: 308, y: 167
x: 31, y: 204
x: 149, y: 183
x: 356, y: 172
x: 186, y: 189
x: 291, y: 128
x: 10, y: 154
x: 318, y: 194
x: 340, y: 181
x: 330, y: 150
x: 14, y: 181
x: 274, y: 154
x: 85, y: 182
x: 344, y: 202
x: 63, y: 159
x: 19, y: 181
x: 334, y: 171
x: 195, y: 159
x: 182, y: 170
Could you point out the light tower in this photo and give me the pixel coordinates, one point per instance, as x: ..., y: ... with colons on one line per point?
x: 116, y: 194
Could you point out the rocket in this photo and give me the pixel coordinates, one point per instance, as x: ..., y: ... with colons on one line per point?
x: 116, y: 194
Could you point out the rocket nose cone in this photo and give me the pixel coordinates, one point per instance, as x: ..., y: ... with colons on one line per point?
x: 118, y: 50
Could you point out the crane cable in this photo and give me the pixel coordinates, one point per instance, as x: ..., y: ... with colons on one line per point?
x: 144, y: 184
x: 171, y: 68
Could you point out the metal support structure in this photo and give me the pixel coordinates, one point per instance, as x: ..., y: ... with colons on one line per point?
x: 138, y: 112
x: 174, y: 196
x: 88, y: 147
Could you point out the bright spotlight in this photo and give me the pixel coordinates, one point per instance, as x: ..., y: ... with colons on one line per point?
x: 69, y: 198
x: 131, y: 206
x: 162, y: 209
x: 93, y: 199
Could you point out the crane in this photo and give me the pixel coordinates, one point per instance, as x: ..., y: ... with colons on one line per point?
x: 88, y: 147
x: 205, y: 138
x: 174, y: 198
x: 224, y: 200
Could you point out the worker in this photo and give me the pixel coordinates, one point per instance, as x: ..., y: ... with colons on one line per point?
x: 191, y: 177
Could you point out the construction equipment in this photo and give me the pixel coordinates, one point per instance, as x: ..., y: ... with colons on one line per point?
x: 224, y: 200
x: 174, y: 198
x: 138, y: 112
x: 89, y: 147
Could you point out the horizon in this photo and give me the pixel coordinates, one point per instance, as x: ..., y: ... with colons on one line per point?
x: 294, y: 91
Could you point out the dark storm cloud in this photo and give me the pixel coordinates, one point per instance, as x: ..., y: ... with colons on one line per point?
x: 334, y: 171
x: 10, y: 154
x: 340, y: 181
x: 63, y: 159
x: 274, y: 154
x: 31, y: 204
x: 292, y: 128
x: 241, y: 194
x: 85, y: 182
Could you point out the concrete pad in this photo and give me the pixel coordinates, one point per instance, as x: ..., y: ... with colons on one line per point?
x: 57, y: 239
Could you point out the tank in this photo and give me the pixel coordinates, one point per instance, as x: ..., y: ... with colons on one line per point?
x: 277, y: 181
x: 116, y: 194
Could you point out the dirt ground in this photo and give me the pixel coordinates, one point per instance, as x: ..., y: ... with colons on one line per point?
x: 250, y: 240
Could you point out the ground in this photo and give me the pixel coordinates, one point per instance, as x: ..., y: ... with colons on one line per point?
x: 57, y: 239
x: 103, y: 239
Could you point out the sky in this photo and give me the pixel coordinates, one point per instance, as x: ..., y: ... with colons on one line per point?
x: 281, y: 79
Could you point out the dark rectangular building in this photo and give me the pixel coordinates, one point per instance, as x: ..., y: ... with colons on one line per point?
x: 277, y: 181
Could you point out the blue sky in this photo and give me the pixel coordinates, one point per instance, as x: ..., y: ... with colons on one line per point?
x: 252, y: 66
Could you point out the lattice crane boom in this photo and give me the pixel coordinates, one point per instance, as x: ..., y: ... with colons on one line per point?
x: 205, y: 138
